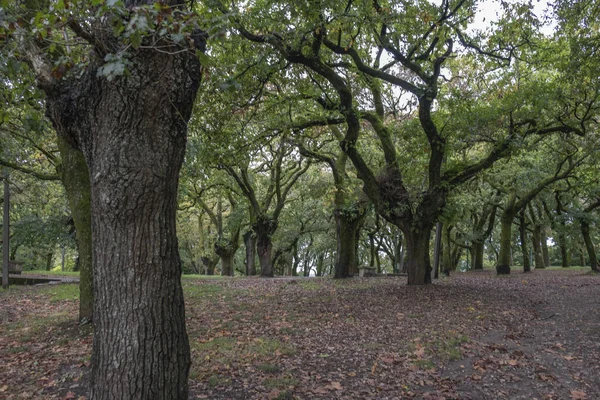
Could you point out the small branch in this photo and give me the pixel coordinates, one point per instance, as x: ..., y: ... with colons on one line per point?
x: 36, y: 174
x: 91, y: 39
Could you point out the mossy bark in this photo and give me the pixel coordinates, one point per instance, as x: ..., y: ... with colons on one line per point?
x: 347, y: 227
x: 418, y: 260
x: 589, y: 245
x: 76, y: 180
x: 503, y: 266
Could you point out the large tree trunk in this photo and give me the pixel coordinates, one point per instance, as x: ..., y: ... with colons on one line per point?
x: 132, y: 131
x: 478, y: 250
x: 264, y: 247
x: 589, y: 245
x: 398, y: 252
x: 347, y: 226
x: 544, y: 244
x: 503, y: 265
x: 446, y: 264
x: 564, y: 251
x: 265, y: 227
x: 524, y: 247
x: 536, y: 242
x: 76, y: 180
x: 226, y: 250
x: 418, y: 263
x: 250, y: 244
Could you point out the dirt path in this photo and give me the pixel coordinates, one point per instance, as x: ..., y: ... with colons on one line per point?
x: 554, y: 355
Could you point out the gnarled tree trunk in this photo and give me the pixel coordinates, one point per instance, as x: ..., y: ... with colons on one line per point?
x: 347, y: 226
x: 589, y: 245
x: 250, y: 244
x: 503, y: 266
x: 418, y: 263
x: 264, y: 228
x: 132, y: 131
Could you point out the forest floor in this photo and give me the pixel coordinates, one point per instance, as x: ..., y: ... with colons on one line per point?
x: 471, y: 336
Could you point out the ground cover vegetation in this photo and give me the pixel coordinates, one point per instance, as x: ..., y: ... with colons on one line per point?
x: 141, y: 140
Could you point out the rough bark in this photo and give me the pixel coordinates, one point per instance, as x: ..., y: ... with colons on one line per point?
x: 250, y: 244
x: 524, y: 247
x: 503, y: 265
x: 478, y: 251
x: 536, y: 237
x: 446, y: 266
x: 544, y: 243
x: 418, y: 262
x: 132, y: 131
x: 76, y: 180
x: 226, y: 250
x: 347, y: 227
x: 589, y: 245
x: 264, y: 228
x: 536, y: 243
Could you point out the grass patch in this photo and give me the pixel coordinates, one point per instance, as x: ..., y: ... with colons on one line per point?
x: 227, y: 350
x: 192, y: 291
x: 28, y: 330
x: 53, y: 273
x: 283, y: 382
x: 62, y: 292
x: 310, y: 284
x: 205, y: 277
x: 449, y: 348
x: 268, y: 368
x: 424, y: 364
x: 269, y: 347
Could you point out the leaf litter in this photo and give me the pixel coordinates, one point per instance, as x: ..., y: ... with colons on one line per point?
x: 470, y: 336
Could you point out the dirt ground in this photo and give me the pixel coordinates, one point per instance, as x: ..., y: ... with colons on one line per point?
x: 471, y: 336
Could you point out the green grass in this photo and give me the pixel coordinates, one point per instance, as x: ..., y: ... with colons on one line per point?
x: 54, y: 273
x: 310, y: 284
x: 268, y: 368
x: 280, y: 382
x: 61, y: 292
x: 206, y: 277
x: 192, y: 291
x: 424, y: 364
x: 228, y: 350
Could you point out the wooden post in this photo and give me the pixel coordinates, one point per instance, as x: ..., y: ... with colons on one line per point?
x: 5, y: 232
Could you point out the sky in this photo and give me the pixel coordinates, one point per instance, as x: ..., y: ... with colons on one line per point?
x: 489, y: 9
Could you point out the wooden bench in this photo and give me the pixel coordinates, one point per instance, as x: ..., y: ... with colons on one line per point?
x: 15, y: 267
x: 366, y: 272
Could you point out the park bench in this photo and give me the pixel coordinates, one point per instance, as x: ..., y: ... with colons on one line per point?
x: 366, y: 272
x: 15, y: 267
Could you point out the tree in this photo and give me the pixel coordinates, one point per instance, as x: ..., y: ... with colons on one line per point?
x: 341, y: 45
x: 24, y: 124
x: 517, y: 202
x: 349, y: 211
x: 125, y: 103
x: 284, y: 170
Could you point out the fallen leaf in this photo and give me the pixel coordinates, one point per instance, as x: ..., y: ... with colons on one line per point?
x: 420, y: 351
x: 578, y: 395
x: 373, y: 368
